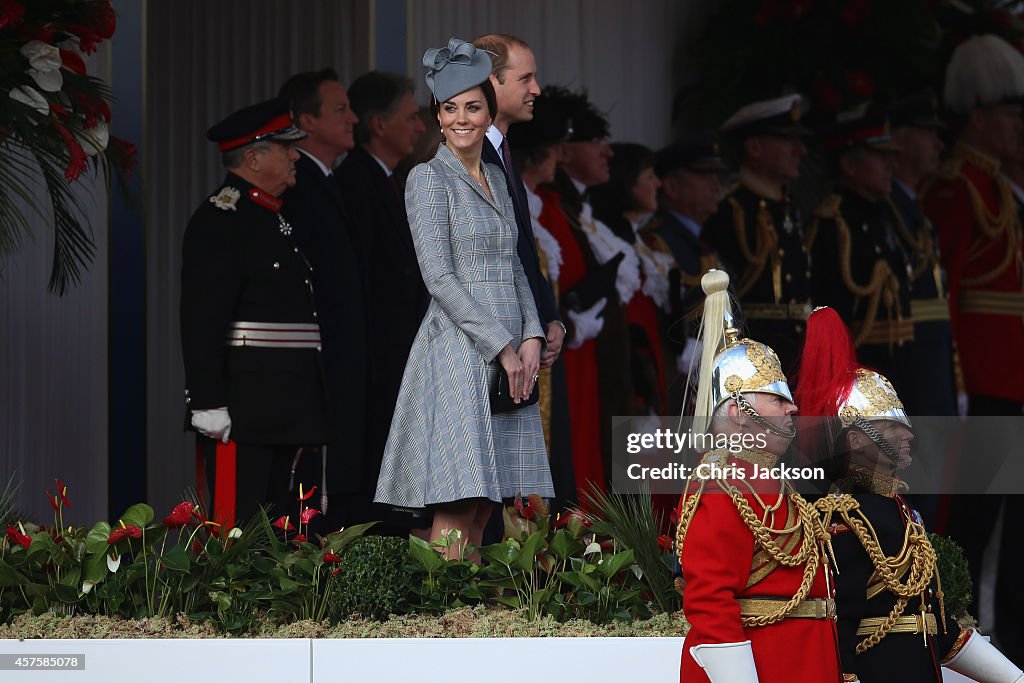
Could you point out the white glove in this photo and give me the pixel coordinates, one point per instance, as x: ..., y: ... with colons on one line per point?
x: 214, y: 423
x: 726, y: 662
x: 980, y: 660
x: 587, y: 324
x: 690, y: 351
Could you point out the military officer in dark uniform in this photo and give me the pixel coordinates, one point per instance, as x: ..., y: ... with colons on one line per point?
x: 892, y: 621
x: 915, y: 128
x: 758, y: 233
x: 690, y: 192
x: 862, y: 269
x: 249, y: 333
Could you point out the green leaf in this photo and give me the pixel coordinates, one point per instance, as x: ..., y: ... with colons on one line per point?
x: 96, y: 540
x: 563, y: 545
x: 176, y: 559
x: 9, y: 576
x: 424, y: 554
x: 613, y: 564
x: 95, y: 568
x: 530, y: 549
x: 138, y: 515
x: 505, y: 553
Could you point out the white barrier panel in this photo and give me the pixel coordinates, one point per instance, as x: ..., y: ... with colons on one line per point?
x: 155, y: 661
x: 496, y: 660
x: 395, y: 660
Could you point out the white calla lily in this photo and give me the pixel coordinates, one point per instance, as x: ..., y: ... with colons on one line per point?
x: 41, y: 56
x: 30, y: 97
x: 113, y: 563
x: 94, y: 140
x: 48, y: 81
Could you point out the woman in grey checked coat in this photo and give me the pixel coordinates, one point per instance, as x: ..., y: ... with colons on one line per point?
x: 446, y: 450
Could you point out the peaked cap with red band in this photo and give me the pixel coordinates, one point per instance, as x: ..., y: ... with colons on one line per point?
x: 269, y: 120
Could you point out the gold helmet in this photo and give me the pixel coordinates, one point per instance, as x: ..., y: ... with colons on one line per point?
x: 873, y: 398
x: 730, y: 365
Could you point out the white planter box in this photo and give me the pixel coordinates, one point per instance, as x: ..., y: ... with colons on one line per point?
x: 372, y: 660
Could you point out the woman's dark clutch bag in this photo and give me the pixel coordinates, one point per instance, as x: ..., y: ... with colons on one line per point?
x: 501, y: 398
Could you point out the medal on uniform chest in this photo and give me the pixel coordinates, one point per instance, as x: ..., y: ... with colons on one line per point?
x: 787, y: 220
x: 285, y: 226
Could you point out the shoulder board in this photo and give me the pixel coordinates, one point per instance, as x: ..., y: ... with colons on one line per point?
x: 829, y: 207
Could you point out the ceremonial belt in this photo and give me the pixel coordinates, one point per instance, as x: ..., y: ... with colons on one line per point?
x: 917, y: 623
x: 777, y: 311
x: 813, y: 608
x: 989, y: 302
x: 887, y: 331
x: 929, y: 310
x: 274, y: 335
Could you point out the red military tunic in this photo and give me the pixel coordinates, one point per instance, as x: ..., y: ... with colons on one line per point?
x: 979, y: 230
x: 720, y: 558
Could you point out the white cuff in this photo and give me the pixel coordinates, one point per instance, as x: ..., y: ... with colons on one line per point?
x: 980, y: 660
x: 726, y: 662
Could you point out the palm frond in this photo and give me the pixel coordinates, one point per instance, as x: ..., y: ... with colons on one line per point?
x: 73, y: 245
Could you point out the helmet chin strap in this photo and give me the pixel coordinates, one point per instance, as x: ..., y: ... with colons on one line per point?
x: 899, y: 461
x: 759, y: 420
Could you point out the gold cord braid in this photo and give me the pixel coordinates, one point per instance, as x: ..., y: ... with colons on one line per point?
x: 993, y: 226
x: 922, y: 246
x: 808, y: 555
x: 922, y: 567
x: 882, y: 288
x: 765, y: 240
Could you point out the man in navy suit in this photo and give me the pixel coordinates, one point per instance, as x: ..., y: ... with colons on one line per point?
x: 325, y: 230
x: 388, y: 129
x: 514, y: 77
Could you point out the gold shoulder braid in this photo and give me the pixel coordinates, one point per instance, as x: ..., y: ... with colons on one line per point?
x: 920, y: 570
x: 922, y: 246
x: 809, y: 555
x: 881, y: 289
x: 766, y: 242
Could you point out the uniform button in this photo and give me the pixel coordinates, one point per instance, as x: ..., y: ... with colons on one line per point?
x: 314, y: 315
x: 307, y: 282
x: 277, y: 266
x: 782, y: 252
x: 864, y: 227
x: 807, y: 274
x: 295, y: 249
x: 789, y: 277
x: 878, y: 249
x: 799, y: 329
x: 803, y: 249
x: 792, y: 301
x: 318, y: 347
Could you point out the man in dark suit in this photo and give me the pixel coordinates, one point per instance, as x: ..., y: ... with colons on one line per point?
x: 326, y: 233
x: 389, y: 127
x: 514, y: 77
x: 249, y: 334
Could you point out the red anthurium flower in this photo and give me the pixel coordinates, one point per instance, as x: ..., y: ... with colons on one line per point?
x: 180, y: 516
x: 130, y: 531
x: 54, y: 500
x: 665, y: 543
x: 307, y: 495
x: 608, y: 544
x: 334, y: 572
x: 72, y: 61
x: 283, y: 523
x: 299, y: 538
x: 11, y: 12
x: 308, y: 514
x: 15, y: 536
x: 329, y: 558
x: 525, y: 509
x: 77, y: 159
x: 62, y: 490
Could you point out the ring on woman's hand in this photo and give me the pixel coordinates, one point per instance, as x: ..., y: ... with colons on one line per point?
x: 535, y: 377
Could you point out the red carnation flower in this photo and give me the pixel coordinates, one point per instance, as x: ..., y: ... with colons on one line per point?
x: 130, y: 531
x: 180, y: 516
x: 15, y: 536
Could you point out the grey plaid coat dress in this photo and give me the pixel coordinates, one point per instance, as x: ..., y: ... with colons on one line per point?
x: 444, y: 444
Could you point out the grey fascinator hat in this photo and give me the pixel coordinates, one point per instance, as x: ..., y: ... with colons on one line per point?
x: 455, y: 69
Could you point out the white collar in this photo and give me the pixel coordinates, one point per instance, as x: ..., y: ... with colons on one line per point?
x: 495, y: 137
x: 906, y: 188
x: 690, y: 224
x: 580, y: 187
x: 1018, y: 192
x: 323, y: 167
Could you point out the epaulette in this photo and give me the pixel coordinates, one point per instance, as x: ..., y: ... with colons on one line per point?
x: 226, y: 198
x: 829, y: 207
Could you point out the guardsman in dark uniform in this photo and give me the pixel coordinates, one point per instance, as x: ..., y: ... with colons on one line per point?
x: 892, y: 623
x: 862, y: 270
x: 249, y: 334
x: 758, y: 233
x: 690, y: 192
x: 915, y: 125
